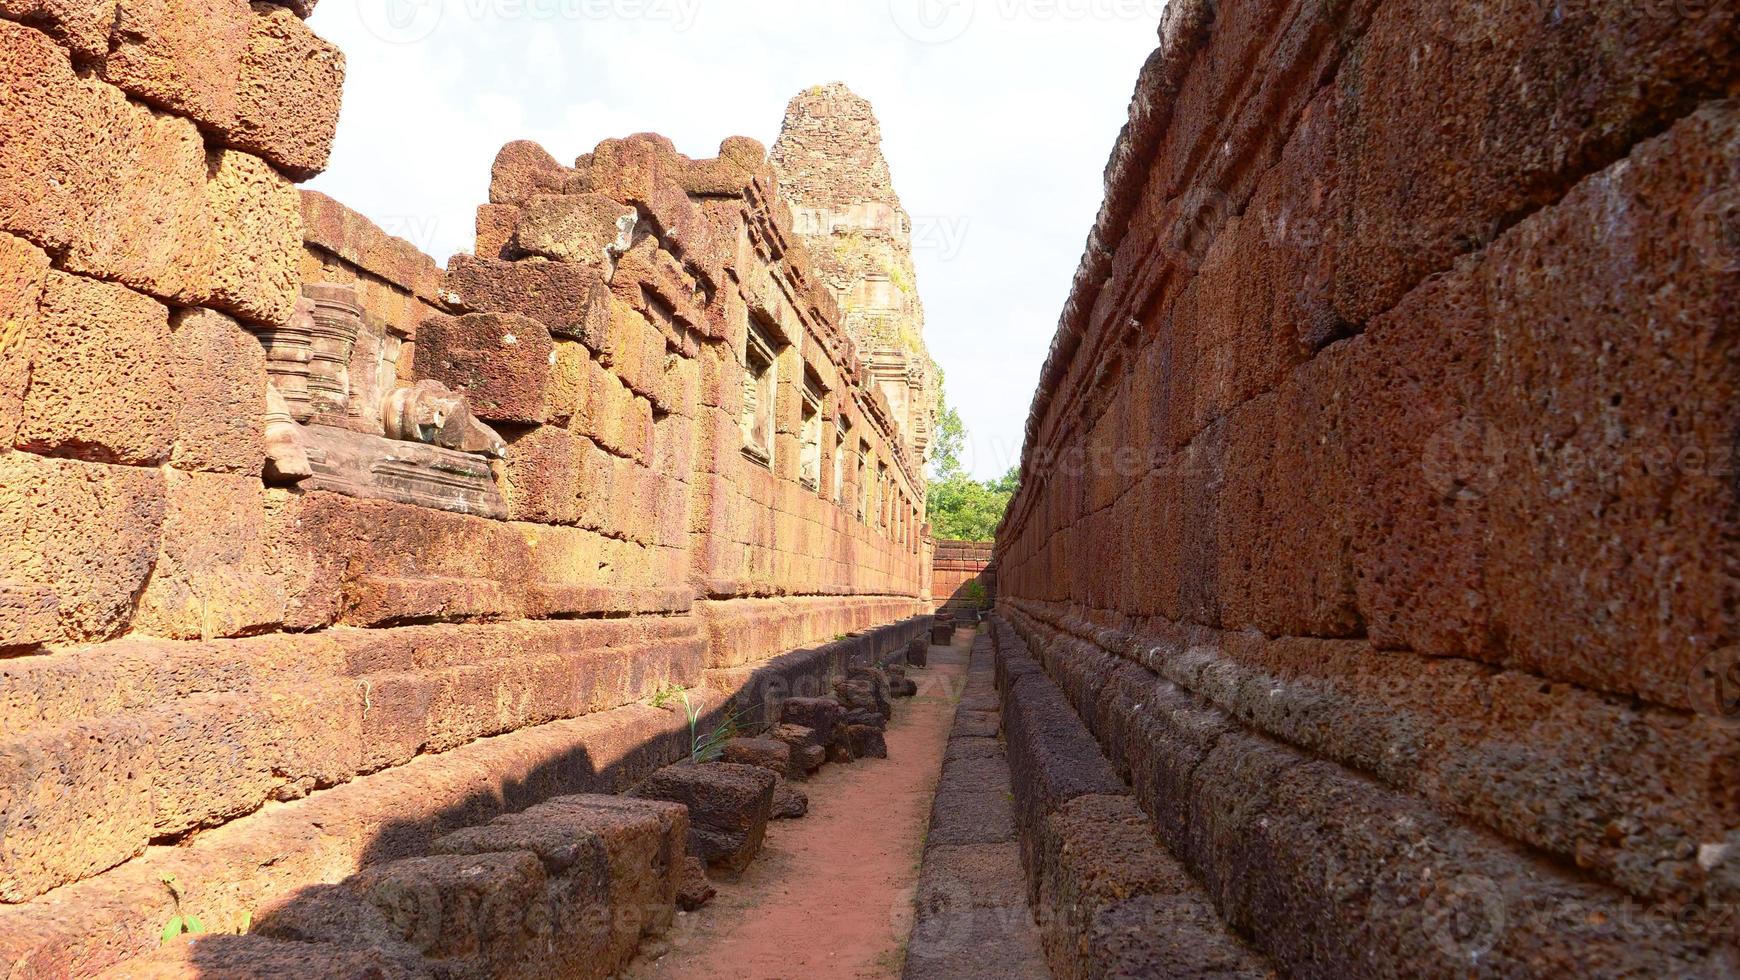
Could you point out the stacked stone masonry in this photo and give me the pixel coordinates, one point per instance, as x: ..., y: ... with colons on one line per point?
x: 963, y: 576
x: 312, y: 550
x: 1378, y: 514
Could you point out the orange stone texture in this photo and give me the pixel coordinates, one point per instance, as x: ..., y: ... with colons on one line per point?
x: 1378, y: 511
x: 314, y: 550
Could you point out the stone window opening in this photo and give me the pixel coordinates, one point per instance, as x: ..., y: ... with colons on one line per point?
x: 864, y: 488
x: 842, y: 429
x: 810, y: 455
x: 760, y: 377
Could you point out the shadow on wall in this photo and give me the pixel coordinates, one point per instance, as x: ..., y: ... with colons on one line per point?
x: 564, y: 889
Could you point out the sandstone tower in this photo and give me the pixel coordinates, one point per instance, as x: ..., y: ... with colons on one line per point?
x: 832, y: 173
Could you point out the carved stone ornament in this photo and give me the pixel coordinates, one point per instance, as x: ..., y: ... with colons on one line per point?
x: 337, y: 419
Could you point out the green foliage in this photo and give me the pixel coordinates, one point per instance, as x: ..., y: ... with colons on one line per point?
x: 977, y: 595
x: 711, y: 746
x: 667, y: 695
x: 181, y: 922
x: 965, y: 509
x: 946, y: 444
x: 960, y: 507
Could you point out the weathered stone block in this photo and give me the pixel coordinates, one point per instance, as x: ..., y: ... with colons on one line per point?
x: 581, y: 229
x: 217, y: 372
x: 483, y: 914
x: 619, y: 864
x: 23, y: 269
x: 789, y: 802
x: 253, y: 957
x: 210, y: 578
x: 256, y: 231
x: 254, y: 75
x: 119, y: 189
x: 524, y: 170
x: 571, y: 300
x: 500, y: 362
x: 1513, y: 136
x: 86, y: 531
x: 819, y: 715
x: 542, y: 476
x: 768, y: 753
x: 75, y: 802
x: 494, y: 230
x: 82, y: 25
x: 697, y: 891
x: 1614, y: 508
x: 864, y: 741
x: 729, y: 806
x: 100, y: 375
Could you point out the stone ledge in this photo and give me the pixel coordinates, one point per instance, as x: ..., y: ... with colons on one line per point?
x: 1279, y: 838
x: 227, y: 871
x: 1595, y: 762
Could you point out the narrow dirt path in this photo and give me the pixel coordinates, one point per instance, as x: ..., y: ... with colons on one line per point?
x: 831, y: 894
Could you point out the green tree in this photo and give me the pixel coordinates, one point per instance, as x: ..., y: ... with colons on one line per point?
x: 960, y: 507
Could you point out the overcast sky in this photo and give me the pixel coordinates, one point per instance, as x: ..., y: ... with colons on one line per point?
x: 997, y: 118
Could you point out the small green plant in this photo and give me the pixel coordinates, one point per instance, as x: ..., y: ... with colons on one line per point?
x: 839, y: 636
x: 977, y: 595
x: 181, y: 922
x: 667, y: 695
x: 711, y: 746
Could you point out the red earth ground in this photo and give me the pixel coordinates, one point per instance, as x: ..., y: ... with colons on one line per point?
x: 831, y: 894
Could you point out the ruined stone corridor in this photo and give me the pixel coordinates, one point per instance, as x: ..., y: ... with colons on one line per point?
x: 1368, y: 606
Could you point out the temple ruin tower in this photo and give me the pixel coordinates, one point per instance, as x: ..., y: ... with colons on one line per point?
x: 833, y: 175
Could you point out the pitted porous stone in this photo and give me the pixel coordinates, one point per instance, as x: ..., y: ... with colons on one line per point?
x: 819, y: 715
x: 771, y: 754
x: 729, y: 806
x: 789, y: 802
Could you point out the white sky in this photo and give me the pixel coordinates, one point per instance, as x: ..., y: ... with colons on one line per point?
x: 997, y: 118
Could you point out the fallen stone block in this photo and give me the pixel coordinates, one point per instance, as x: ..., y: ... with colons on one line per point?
x: 878, y: 681
x: 819, y: 715
x: 615, y: 867
x: 696, y: 890
x: 729, y: 806
x: 789, y: 802
x: 918, y: 651
x: 481, y: 915
x: 868, y: 719
x: 767, y: 753
x: 863, y: 697
x: 866, y: 742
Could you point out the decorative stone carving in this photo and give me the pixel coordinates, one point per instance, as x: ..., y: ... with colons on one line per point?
x: 429, y: 412
x: 286, y: 452
x: 337, y: 419
x: 289, y: 349
x: 337, y: 320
